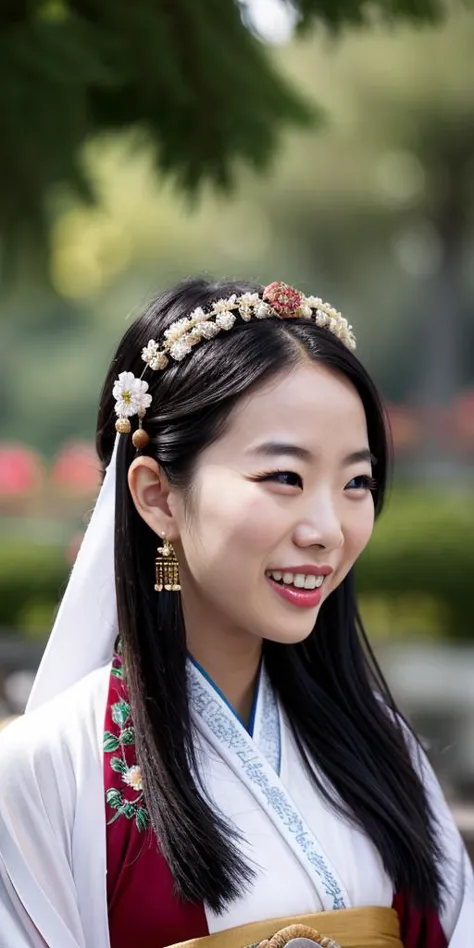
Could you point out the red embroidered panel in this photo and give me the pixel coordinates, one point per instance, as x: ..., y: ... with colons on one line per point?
x: 142, y: 905
x: 418, y: 929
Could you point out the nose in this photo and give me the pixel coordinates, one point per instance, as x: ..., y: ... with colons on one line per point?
x: 323, y: 529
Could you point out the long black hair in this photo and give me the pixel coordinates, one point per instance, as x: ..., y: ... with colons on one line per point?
x: 340, y: 708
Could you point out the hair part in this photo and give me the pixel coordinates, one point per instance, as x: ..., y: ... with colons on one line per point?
x: 343, y: 716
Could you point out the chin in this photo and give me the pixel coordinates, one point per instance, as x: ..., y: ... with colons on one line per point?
x: 288, y: 635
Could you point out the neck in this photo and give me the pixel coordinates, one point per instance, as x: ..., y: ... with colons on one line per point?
x: 229, y: 654
x: 233, y: 666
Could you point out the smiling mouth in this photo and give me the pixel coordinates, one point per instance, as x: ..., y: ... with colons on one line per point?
x: 300, y: 581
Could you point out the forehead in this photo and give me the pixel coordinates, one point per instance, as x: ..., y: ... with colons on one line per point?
x: 310, y: 405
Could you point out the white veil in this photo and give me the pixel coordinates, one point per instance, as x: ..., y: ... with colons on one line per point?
x: 85, y: 629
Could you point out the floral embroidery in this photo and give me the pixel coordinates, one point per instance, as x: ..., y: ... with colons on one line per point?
x: 128, y: 802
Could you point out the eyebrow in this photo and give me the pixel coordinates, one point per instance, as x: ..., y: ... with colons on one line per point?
x: 271, y: 449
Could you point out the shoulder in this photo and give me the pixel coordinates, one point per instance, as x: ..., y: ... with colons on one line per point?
x: 443, y: 823
x: 46, y: 745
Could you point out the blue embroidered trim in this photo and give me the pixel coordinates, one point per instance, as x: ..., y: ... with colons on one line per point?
x: 215, y: 688
x: 256, y: 693
x: 253, y: 712
x: 226, y: 730
x: 269, y: 736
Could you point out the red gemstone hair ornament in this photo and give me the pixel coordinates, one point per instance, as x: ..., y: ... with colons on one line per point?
x: 284, y: 299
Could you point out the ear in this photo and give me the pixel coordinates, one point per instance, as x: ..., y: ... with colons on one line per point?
x: 150, y: 489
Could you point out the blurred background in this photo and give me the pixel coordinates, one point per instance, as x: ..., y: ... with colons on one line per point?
x: 307, y: 142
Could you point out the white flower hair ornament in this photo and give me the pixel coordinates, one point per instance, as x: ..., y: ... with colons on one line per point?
x: 278, y: 301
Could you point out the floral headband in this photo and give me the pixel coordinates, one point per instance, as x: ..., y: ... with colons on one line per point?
x: 277, y: 301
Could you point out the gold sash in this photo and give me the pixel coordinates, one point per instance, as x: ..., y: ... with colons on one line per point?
x: 371, y: 927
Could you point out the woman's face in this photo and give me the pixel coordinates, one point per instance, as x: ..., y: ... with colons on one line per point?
x: 280, y: 508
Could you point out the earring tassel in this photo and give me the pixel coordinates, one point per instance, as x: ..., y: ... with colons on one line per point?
x: 167, y: 569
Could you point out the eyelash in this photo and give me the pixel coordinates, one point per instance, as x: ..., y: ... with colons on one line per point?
x: 271, y: 475
x: 368, y: 482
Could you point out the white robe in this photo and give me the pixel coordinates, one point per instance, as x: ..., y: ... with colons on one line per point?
x: 53, y: 832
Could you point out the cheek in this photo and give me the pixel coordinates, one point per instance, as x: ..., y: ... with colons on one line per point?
x: 230, y: 526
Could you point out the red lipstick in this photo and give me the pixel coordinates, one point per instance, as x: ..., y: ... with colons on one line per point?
x: 303, y: 598
x: 306, y: 568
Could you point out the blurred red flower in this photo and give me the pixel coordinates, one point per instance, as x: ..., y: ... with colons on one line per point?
x: 76, y: 469
x: 21, y: 470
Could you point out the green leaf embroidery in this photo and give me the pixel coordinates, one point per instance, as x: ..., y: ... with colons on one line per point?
x: 128, y: 809
x: 114, y: 798
x: 136, y: 809
x: 111, y: 743
x: 142, y: 819
x: 127, y: 736
x: 120, y: 712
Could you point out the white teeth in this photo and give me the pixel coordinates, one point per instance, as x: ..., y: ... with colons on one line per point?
x: 299, y: 580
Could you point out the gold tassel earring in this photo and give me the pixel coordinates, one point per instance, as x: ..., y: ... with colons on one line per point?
x: 167, y: 568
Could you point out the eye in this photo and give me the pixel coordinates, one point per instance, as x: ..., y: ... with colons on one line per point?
x: 285, y: 478
x: 361, y: 482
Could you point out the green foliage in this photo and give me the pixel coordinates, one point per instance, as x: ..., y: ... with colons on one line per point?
x: 423, y: 550
x: 420, y: 561
x: 187, y: 77
x: 336, y: 15
x: 30, y: 575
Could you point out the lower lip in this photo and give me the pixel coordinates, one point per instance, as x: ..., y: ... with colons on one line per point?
x: 303, y: 598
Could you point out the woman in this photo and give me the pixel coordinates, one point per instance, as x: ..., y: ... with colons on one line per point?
x: 212, y: 752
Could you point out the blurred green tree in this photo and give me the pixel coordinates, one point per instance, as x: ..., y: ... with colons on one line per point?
x: 189, y: 77
x: 389, y: 198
